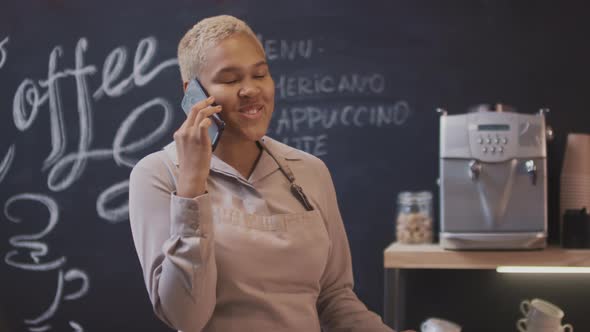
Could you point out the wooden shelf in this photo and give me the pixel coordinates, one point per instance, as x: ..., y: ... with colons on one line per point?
x: 432, y: 256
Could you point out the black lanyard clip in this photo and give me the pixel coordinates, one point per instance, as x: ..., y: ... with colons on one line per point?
x: 300, y: 195
x: 295, y: 189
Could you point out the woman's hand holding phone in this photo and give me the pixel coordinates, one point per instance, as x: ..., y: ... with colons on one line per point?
x: 193, y: 147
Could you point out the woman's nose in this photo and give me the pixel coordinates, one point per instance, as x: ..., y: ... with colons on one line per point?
x: 248, y: 91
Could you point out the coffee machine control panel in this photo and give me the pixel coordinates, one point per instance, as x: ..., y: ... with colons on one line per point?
x: 493, y: 136
x: 493, y: 139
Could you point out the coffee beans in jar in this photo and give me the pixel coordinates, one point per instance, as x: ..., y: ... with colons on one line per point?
x: 414, y: 218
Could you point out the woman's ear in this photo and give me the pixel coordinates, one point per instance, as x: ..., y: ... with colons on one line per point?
x: 184, y: 85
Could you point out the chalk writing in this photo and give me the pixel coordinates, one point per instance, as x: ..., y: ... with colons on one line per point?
x: 119, y: 148
x: 70, y: 276
x: 29, y: 251
x: 40, y: 329
x: 118, y: 214
x: 28, y: 96
x: 30, y: 241
x: 26, y: 91
x: 3, y: 52
x: 53, y: 180
x: 121, y: 213
x: 348, y: 83
x: 76, y: 326
x: 293, y: 119
x: 315, y: 145
x: 282, y: 49
x: 6, y: 162
x: 115, y: 63
x: 302, y: 124
x: 39, y: 250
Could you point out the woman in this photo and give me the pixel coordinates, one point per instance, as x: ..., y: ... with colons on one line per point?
x: 248, y: 238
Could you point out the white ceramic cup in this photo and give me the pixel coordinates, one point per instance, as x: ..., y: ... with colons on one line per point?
x: 523, y: 326
x: 439, y: 325
x: 540, y: 312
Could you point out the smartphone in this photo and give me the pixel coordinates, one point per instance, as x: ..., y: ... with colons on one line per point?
x: 194, y: 93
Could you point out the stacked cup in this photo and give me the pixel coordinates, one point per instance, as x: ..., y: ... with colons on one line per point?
x: 575, y: 174
x: 541, y: 316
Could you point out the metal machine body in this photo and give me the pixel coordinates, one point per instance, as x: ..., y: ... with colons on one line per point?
x: 493, y: 180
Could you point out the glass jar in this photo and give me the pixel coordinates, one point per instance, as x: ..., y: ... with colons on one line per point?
x: 414, y: 217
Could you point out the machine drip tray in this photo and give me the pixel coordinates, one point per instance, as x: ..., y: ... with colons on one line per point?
x: 493, y: 241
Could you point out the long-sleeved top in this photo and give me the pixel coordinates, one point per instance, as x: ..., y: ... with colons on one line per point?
x: 246, y: 255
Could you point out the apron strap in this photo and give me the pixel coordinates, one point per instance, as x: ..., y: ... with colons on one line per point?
x: 296, y: 190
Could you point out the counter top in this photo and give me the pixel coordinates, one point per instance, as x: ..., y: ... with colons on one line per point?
x: 432, y: 256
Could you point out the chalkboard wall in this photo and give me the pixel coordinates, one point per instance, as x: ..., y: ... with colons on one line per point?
x: 90, y: 87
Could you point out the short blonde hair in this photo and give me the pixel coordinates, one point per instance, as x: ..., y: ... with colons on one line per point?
x: 204, y: 35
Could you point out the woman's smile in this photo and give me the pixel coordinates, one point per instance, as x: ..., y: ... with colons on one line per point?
x: 252, y: 111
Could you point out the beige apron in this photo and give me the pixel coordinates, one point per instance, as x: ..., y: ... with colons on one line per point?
x: 269, y: 268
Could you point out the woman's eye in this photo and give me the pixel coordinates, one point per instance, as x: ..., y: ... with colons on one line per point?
x: 230, y: 81
x: 260, y: 76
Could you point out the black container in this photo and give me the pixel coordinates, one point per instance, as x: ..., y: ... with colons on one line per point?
x: 576, y: 229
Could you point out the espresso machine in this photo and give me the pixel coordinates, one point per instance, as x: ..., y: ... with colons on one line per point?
x: 493, y: 179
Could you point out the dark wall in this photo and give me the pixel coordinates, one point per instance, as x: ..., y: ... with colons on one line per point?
x: 89, y: 87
